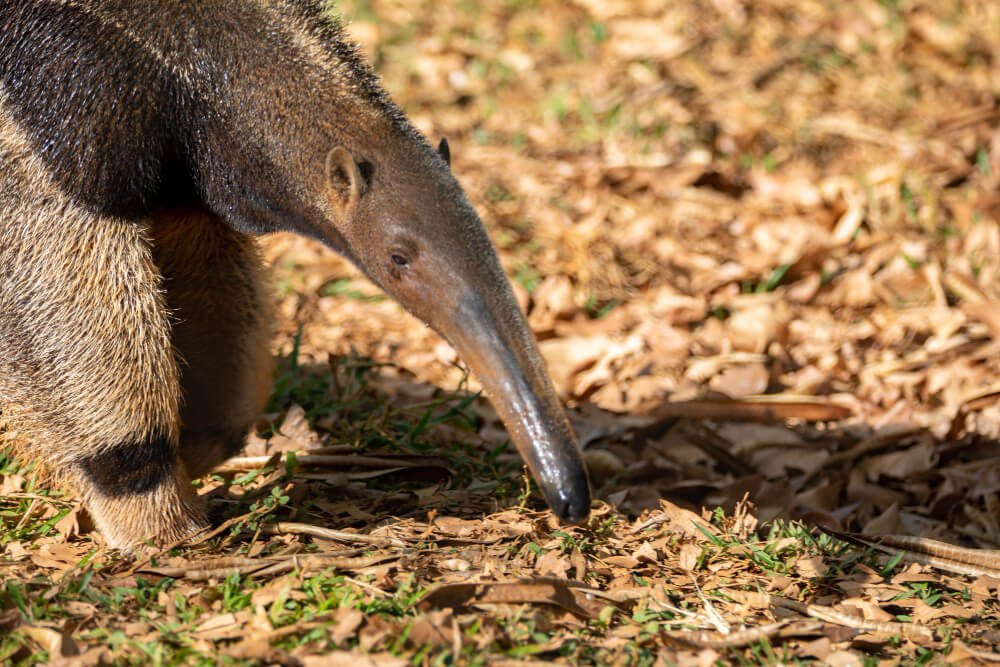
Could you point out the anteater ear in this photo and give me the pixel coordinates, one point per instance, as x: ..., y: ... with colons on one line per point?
x: 445, y: 151
x: 344, y: 177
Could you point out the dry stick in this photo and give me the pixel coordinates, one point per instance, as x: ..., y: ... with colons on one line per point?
x: 218, y: 568
x: 201, y: 536
x: 310, y: 561
x: 313, y: 460
x: 964, y: 118
x: 210, y: 568
x: 766, y: 409
x: 195, y: 539
x: 718, y: 642
x: 944, y: 556
x: 928, y: 359
x: 239, y: 566
x: 788, y: 628
x: 370, y: 587
x: 456, y: 638
x: 678, y: 514
x: 334, y: 449
x: 970, y: 405
x: 713, y: 616
x: 851, y: 129
x: 330, y: 534
x: 35, y: 496
x: 830, y: 615
x: 222, y: 563
x: 694, y: 617
x: 27, y: 514
x: 718, y: 448
x: 868, y: 445
x: 974, y: 562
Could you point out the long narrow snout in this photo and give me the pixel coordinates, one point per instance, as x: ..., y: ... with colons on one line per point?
x: 425, y: 245
x: 501, y: 352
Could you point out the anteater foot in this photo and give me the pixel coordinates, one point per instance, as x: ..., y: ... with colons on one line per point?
x: 161, y: 516
x: 141, y: 494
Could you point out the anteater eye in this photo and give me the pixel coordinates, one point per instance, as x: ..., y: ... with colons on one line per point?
x: 399, y: 260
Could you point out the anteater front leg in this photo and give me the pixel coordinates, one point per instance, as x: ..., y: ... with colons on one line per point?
x: 216, y: 295
x: 89, y: 383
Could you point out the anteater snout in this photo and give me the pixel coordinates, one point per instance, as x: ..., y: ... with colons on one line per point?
x: 574, y: 508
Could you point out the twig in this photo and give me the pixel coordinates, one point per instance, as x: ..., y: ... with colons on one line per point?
x: 720, y: 642
x: 874, y: 443
x: 944, y: 556
x: 330, y: 534
x: 367, y: 586
x: 218, y: 568
x: 830, y: 615
x: 313, y: 561
x: 242, y: 463
x: 713, y: 616
x: 719, y: 449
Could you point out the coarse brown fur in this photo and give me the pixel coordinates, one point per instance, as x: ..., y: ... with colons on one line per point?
x: 128, y: 328
x: 215, y: 293
x: 141, y: 147
x: 86, y: 360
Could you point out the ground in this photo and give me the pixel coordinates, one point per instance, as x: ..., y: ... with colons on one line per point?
x: 759, y: 243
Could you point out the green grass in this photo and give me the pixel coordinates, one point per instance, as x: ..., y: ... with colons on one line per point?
x: 363, y: 417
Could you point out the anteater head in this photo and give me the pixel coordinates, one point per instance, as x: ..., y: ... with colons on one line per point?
x: 263, y: 114
x: 409, y: 227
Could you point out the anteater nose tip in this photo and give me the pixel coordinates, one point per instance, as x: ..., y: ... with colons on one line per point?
x: 574, y: 509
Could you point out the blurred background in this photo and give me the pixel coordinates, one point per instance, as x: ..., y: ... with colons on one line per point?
x: 723, y: 198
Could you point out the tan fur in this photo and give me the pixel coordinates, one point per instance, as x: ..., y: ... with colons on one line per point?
x: 163, y: 516
x: 83, y: 288
x: 216, y: 295
x: 126, y: 328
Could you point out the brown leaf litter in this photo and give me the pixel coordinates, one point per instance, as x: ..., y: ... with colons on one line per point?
x: 760, y: 246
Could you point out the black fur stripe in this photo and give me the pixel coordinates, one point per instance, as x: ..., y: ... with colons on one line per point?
x: 131, y: 467
x: 95, y: 105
